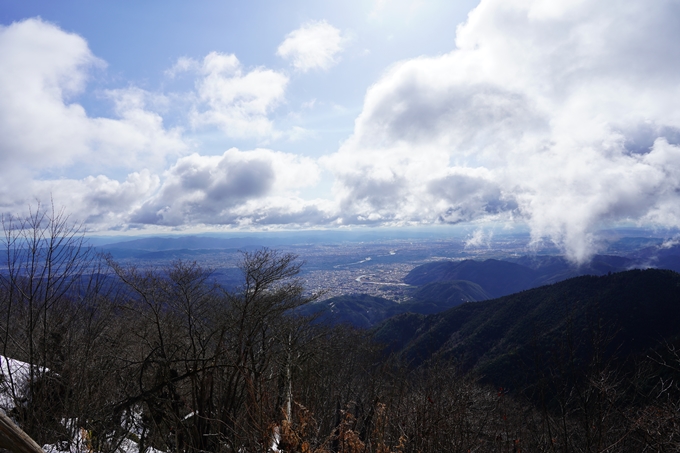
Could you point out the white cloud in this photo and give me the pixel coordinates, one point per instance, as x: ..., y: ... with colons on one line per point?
x: 45, y: 133
x: 100, y: 202
x: 315, y: 45
x: 44, y: 69
x: 561, y: 114
x: 236, y: 101
x: 479, y: 238
x: 236, y: 188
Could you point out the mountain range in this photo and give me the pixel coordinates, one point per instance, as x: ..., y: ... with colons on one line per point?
x: 504, y: 339
x: 440, y: 285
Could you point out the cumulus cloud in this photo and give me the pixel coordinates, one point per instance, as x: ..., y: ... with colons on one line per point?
x: 465, y: 195
x: 46, y: 132
x: 100, y: 202
x: 44, y: 69
x: 236, y: 188
x: 561, y: 114
x: 315, y: 45
x: 237, y: 101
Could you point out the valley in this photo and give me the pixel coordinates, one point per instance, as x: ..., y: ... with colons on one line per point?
x: 336, y: 265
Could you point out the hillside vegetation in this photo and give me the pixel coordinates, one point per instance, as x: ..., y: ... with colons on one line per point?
x: 623, y: 313
x: 502, y: 277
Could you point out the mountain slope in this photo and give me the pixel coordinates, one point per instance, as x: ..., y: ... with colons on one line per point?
x: 497, y: 278
x: 358, y: 310
x: 503, y: 277
x: 627, y: 312
x: 451, y: 293
x: 364, y: 311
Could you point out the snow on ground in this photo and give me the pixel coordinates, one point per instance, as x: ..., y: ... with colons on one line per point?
x: 13, y: 377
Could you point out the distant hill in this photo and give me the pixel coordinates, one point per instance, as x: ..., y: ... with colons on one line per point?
x: 501, y: 339
x: 667, y: 257
x: 495, y: 277
x: 185, y: 247
x: 503, y: 277
x: 155, y: 244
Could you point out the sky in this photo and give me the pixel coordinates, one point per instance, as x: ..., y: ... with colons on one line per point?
x: 561, y: 116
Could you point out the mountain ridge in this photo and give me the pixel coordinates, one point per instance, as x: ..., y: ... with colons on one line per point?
x: 634, y: 310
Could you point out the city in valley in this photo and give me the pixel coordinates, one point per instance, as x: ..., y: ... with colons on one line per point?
x: 334, y: 264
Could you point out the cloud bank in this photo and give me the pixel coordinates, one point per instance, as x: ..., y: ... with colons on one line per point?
x: 239, y: 188
x: 44, y: 131
x: 558, y: 114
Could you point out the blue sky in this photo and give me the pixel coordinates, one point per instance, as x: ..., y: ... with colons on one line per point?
x: 141, y: 41
x: 557, y: 115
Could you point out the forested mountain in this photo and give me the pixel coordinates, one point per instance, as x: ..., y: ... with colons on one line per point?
x: 507, y: 339
x: 358, y: 310
x: 438, y: 296
x: 496, y: 277
x: 502, y: 277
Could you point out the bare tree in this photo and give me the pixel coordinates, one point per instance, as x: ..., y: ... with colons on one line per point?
x: 209, y: 363
x: 47, y: 264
